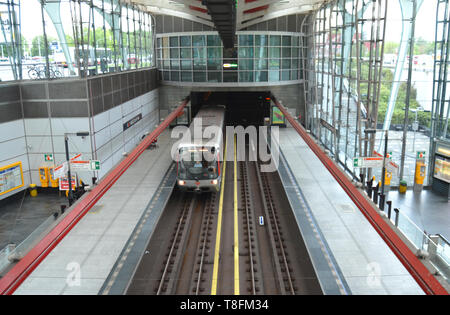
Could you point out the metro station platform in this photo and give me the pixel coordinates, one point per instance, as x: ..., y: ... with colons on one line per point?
x: 367, y: 264
x: 94, y: 244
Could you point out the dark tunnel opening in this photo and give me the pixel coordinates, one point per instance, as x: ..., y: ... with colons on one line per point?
x: 243, y: 108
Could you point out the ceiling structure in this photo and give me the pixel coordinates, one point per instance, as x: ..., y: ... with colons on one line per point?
x: 229, y: 16
x: 248, y: 12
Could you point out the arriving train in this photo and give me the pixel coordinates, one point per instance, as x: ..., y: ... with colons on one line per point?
x: 199, y: 157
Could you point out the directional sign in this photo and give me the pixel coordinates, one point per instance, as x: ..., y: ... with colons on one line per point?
x: 94, y: 165
x: 368, y: 162
x: 80, y: 165
x: 48, y: 157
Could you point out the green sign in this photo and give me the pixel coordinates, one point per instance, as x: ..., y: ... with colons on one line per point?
x: 420, y: 155
x: 48, y: 157
x: 95, y: 165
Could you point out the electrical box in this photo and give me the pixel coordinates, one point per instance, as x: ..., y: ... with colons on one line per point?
x: 43, y: 176
x: 54, y: 182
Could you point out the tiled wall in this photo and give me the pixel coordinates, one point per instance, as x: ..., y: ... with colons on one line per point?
x: 34, y: 116
x: 13, y: 146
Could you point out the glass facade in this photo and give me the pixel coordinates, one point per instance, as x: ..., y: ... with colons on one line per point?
x: 257, y: 57
x: 71, y: 38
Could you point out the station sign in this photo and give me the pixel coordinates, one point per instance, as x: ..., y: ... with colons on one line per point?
x: 132, y: 122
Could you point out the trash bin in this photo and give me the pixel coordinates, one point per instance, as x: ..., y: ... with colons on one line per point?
x: 403, y: 186
x: 33, y: 190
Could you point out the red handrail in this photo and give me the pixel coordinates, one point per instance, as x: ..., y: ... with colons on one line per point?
x: 14, y: 278
x: 415, y: 267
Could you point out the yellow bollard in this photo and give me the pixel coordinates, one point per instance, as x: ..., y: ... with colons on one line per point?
x: 33, y: 190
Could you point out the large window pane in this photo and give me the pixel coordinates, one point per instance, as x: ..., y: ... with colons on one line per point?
x: 214, y: 40
x: 245, y: 40
x: 286, y: 63
x: 214, y: 76
x: 261, y: 40
x: 186, y: 64
x: 275, y: 40
x: 199, y: 52
x: 261, y: 76
x: 285, y: 75
x: 215, y: 53
x: 174, y: 41
x: 287, y: 41
x: 186, y: 53
x: 274, y: 76
x: 274, y: 64
x: 175, y: 64
x: 261, y: 52
x: 185, y: 41
x: 286, y: 52
x: 245, y: 52
x: 199, y: 76
x: 245, y: 64
x: 245, y: 76
x: 274, y: 52
x: 261, y: 64
x: 199, y: 64
x: 174, y: 53
x: 175, y: 76
x: 230, y: 76
x: 199, y: 41
x: 186, y: 76
x: 214, y: 64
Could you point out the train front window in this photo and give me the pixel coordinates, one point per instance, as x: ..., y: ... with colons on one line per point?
x: 194, y: 164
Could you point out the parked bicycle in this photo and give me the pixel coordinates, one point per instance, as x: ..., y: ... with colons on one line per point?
x: 39, y: 72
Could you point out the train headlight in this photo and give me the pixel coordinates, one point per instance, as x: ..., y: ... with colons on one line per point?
x: 214, y: 182
x: 181, y: 182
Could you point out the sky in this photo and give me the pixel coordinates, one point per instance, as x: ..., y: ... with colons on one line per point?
x: 425, y: 24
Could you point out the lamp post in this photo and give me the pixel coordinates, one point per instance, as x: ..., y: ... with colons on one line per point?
x: 69, y: 175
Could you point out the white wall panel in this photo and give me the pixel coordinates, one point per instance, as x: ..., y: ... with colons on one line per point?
x: 102, y: 137
x: 11, y: 130
x: 60, y: 126
x: 37, y: 127
x: 12, y: 148
x: 76, y: 144
x: 101, y: 121
x: 38, y: 144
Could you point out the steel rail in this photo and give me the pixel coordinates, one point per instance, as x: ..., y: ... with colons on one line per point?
x: 415, y: 267
x: 183, y: 227
x: 15, y: 277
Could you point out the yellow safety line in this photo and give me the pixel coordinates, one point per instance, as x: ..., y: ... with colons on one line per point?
x: 236, y: 231
x: 219, y: 226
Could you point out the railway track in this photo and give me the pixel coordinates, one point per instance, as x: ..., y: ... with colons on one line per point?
x: 211, y: 246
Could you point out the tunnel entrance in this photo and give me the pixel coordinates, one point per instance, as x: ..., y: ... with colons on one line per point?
x: 243, y: 108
